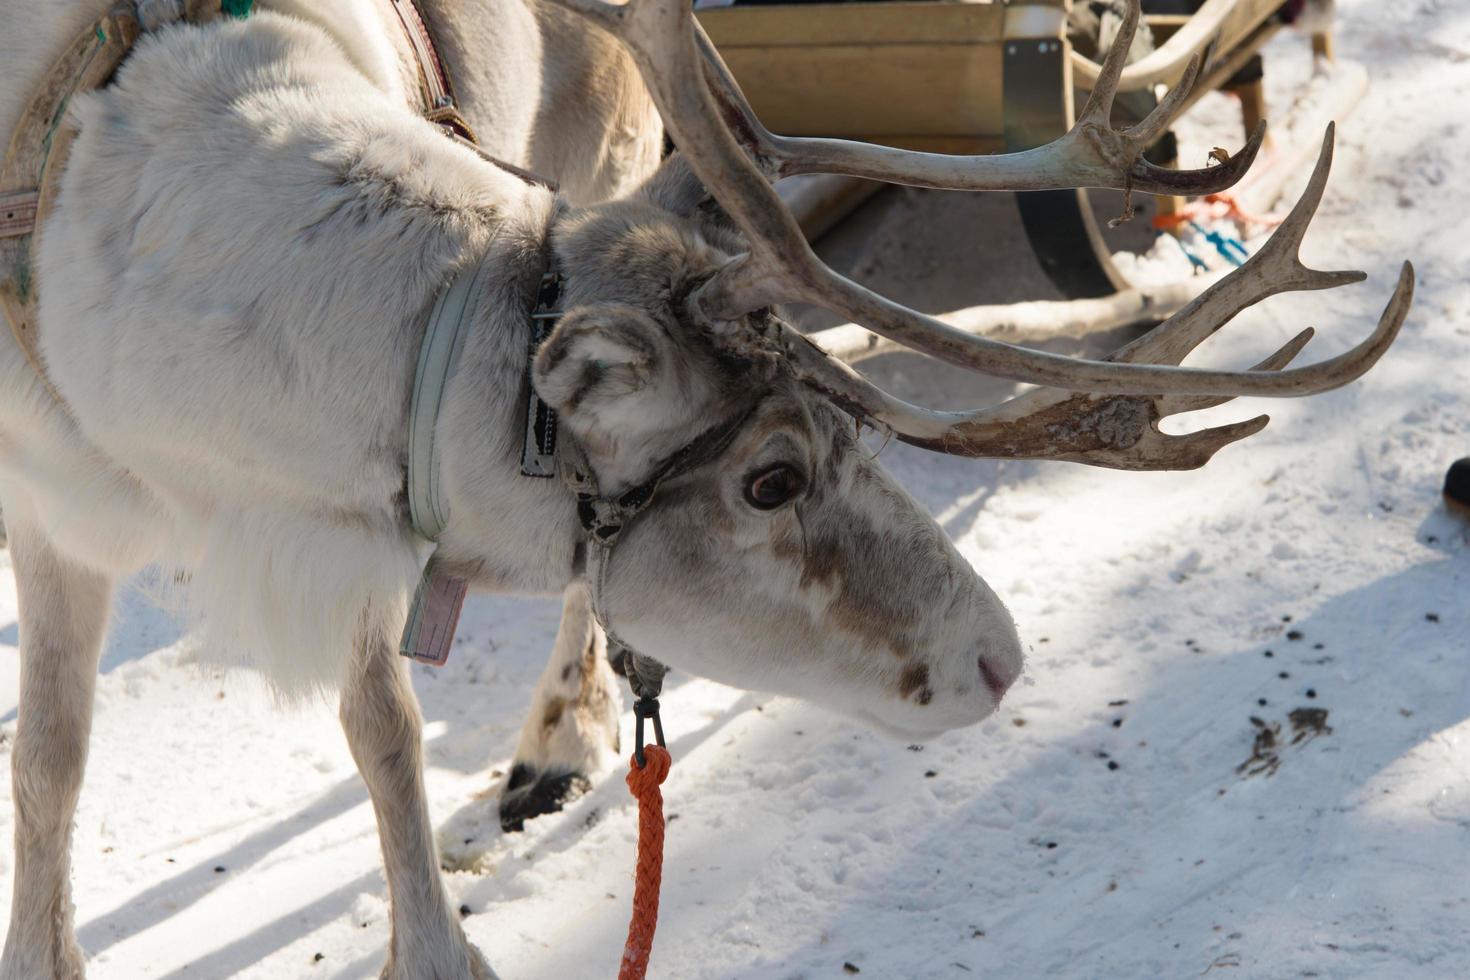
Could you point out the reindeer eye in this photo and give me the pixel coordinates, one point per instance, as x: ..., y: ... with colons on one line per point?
x: 771, y: 488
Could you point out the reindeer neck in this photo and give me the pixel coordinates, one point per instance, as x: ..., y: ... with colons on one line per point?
x: 507, y: 531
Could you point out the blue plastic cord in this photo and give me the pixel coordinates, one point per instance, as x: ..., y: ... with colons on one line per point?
x: 1233, y: 249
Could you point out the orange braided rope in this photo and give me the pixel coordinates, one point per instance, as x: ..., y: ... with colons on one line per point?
x: 644, y: 784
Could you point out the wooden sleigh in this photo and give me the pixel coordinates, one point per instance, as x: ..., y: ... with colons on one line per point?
x: 977, y: 77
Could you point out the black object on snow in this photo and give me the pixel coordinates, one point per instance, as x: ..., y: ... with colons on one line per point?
x: 1457, y: 485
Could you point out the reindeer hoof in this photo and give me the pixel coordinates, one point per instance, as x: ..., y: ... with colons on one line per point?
x: 529, y: 794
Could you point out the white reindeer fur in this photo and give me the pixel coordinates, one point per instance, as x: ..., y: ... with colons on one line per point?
x: 286, y: 526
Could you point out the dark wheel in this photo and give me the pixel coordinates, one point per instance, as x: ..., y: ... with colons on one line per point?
x: 1068, y: 242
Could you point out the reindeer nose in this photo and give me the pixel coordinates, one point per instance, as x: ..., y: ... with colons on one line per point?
x: 997, y: 676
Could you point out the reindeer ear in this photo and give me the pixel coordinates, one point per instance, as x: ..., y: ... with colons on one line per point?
x: 598, y: 354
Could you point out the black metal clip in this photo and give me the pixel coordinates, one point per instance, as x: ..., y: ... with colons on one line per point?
x: 645, y: 708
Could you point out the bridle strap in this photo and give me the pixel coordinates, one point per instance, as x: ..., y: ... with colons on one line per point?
x: 604, y: 519
x: 436, y: 93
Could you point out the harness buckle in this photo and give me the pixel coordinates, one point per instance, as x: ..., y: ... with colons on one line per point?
x: 645, y: 708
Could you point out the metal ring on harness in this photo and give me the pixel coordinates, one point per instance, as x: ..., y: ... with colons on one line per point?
x: 646, y: 708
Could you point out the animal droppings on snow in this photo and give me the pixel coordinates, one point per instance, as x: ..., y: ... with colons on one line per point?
x: 1264, y: 757
x: 1308, y: 723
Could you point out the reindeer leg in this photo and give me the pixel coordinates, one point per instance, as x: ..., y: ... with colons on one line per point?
x: 573, y: 727
x: 381, y: 718
x: 63, y: 615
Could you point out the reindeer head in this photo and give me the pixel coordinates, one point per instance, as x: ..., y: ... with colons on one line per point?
x: 783, y: 557
x: 788, y: 559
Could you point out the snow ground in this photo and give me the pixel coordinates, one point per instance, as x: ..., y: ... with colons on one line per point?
x: 219, y: 836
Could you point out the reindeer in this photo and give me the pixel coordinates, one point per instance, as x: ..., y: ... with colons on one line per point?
x: 251, y: 233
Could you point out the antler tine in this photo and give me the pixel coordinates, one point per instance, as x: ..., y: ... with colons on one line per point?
x: 1152, y: 126
x: 1178, y: 404
x: 1091, y: 154
x: 1098, y: 109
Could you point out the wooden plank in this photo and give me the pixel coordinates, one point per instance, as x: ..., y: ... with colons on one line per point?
x: 918, y: 75
x: 863, y: 91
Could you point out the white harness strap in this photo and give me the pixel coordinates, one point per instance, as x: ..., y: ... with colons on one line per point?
x: 453, y: 310
x: 434, y: 613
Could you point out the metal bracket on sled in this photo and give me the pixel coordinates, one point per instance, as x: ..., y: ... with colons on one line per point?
x: 1037, y: 105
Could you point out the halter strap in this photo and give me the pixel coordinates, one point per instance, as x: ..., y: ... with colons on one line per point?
x: 605, y: 518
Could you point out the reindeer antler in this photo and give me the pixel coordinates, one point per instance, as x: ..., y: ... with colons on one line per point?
x: 735, y: 158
